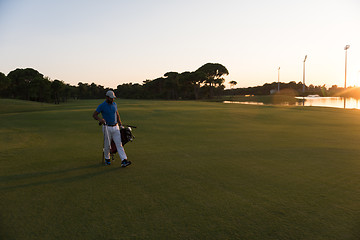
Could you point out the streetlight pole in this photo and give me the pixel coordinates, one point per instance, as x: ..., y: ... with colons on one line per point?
x: 346, y: 48
x: 304, y: 74
x: 279, y: 79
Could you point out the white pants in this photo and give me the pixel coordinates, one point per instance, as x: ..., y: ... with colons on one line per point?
x: 114, y: 134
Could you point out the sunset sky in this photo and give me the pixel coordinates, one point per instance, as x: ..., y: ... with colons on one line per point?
x: 113, y: 42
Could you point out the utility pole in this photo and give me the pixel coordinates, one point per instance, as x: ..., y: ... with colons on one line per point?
x: 304, y: 74
x: 279, y: 79
x: 346, y: 48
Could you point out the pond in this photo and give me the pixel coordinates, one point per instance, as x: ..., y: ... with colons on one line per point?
x: 335, y: 102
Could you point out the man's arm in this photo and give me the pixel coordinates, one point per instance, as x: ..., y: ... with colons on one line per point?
x: 96, y: 117
x: 118, y: 118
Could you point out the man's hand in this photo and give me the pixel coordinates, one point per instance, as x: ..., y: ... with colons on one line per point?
x: 102, y: 121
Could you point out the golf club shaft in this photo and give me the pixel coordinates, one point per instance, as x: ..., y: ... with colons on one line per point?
x: 108, y: 137
x: 129, y: 126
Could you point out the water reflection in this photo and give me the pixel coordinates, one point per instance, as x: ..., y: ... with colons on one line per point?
x: 335, y: 102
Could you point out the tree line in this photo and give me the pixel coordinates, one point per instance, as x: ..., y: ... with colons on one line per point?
x: 29, y: 84
x: 205, y: 83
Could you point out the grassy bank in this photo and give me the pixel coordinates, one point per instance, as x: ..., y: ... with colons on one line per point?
x: 201, y: 170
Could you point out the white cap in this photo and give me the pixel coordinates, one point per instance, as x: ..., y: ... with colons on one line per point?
x: 110, y: 94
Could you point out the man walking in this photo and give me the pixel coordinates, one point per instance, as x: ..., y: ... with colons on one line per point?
x: 111, y: 122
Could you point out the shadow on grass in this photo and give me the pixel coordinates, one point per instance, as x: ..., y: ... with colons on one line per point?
x: 41, y: 174
x: 29, y: 176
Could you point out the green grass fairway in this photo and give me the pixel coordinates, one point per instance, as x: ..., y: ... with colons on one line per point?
x: 201, y: 170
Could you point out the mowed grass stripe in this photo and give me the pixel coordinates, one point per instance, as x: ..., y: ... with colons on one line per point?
x: 200, y: 171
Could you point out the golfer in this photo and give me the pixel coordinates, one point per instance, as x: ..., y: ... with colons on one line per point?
x: 111, y: 128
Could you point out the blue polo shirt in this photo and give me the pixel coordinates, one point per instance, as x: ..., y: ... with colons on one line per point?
x: 108, y: 111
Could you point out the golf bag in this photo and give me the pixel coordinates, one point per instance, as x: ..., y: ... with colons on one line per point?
x: 126, y: 136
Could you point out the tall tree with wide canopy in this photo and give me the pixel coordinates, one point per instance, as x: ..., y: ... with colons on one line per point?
x: 232, y: 84
x: 197, y: 78
x: 24, y: 80
x: 213, y: 73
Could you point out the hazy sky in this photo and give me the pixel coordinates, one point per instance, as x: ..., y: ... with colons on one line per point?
x: 113, y: 42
